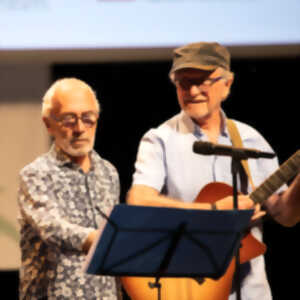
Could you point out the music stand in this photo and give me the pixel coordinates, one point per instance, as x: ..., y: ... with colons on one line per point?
x: 167, y: 242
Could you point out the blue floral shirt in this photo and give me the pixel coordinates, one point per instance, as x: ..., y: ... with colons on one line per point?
x: 59, y: 206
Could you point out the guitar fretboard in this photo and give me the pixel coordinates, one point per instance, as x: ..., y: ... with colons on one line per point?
x: 286, y: 172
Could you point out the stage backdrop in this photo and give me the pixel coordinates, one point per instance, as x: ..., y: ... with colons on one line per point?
x: 138, y: 29
x: 22, y: 139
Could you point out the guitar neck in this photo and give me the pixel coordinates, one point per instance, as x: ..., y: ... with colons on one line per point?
x: 286, y: 171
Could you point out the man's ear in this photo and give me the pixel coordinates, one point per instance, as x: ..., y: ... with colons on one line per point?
x: 46, y: 122
x: 48, y: 125
x: 228, y: 85
x: 230, y: 81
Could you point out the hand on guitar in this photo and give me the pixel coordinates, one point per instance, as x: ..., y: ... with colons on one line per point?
x: 244, y: 202
x: 285, y: 207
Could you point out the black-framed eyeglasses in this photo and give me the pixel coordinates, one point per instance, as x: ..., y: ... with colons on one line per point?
x: 187, y: 83
x: 89, y: 119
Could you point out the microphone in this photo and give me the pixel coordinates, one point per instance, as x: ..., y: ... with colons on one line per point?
x: 208, y: 148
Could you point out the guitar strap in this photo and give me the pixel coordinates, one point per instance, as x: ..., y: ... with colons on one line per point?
x: 237, y: 142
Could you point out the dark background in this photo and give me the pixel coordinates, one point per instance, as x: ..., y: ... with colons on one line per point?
x: 136, y: 96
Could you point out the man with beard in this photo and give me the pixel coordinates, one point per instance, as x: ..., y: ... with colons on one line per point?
x: 63, y: 197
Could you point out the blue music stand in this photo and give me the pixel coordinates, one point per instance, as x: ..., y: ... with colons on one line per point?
x: 167, y: 242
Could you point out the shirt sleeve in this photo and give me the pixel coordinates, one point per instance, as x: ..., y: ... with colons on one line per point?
x: 150, y: 165
x: 40, y: 213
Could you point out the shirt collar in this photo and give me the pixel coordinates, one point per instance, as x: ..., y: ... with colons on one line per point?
x: 190, y: 126
x: 64, y: 160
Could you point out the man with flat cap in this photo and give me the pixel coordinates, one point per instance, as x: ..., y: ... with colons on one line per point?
x: 168, y: 173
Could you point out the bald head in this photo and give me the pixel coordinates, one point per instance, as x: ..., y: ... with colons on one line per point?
x: 59, y: 89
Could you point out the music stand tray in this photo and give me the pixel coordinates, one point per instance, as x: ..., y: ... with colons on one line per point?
x: 167, y: 242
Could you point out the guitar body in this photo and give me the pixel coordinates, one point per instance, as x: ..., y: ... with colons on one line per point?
x: 138, y: 288
x: 250, y: 246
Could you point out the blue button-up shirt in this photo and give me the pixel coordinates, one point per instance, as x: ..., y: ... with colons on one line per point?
x: 166, y: 162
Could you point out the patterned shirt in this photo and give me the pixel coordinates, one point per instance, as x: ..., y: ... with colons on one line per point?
x: 59, y: 206
x: 166, y: 162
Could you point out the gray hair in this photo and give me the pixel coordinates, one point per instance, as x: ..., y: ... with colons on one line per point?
x: 227, y: 75
x: 48, y: 97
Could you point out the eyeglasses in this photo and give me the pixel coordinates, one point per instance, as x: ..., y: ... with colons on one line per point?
x: 187, y: 83
x: 89, y: 119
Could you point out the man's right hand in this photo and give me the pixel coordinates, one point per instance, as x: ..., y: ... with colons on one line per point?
x: 244, y: 202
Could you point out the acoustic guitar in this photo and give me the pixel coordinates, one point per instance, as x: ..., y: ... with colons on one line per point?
x: 138, y: 288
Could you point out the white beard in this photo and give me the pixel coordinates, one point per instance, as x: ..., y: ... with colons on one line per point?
x: 74, y: 150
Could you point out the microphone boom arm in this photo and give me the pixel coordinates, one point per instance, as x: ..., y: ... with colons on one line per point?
x: 207, y: 148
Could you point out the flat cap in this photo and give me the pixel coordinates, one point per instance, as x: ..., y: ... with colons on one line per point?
x: 202, y: 55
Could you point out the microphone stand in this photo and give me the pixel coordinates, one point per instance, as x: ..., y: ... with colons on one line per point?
x: 235, y: 167
x: 237, y: 154
x: 175, y: 238
x: 235, y: 163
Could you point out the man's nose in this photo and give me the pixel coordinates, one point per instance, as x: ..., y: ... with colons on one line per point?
x: 195, y: 89
x: 79, y: 126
